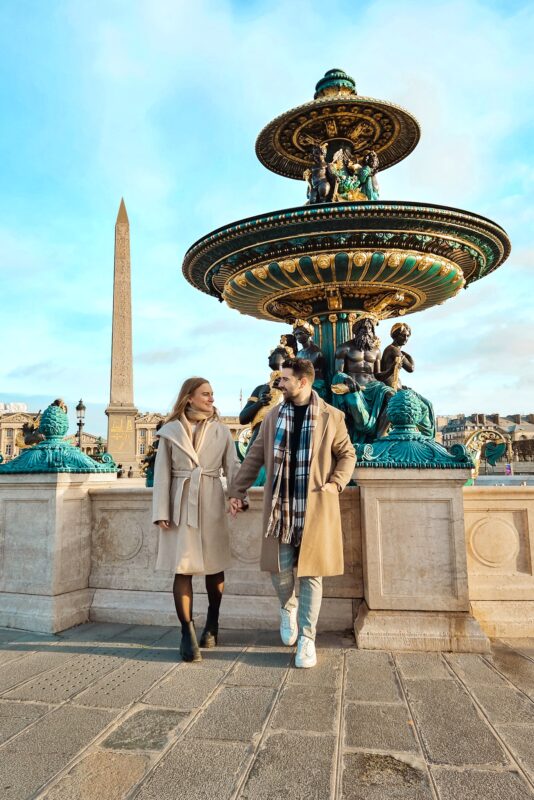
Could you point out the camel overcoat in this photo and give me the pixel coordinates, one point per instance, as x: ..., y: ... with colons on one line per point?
x: 332, y: 459
x: 188, y: 493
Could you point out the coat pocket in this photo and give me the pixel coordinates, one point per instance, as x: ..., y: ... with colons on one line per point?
x: 177, y: 494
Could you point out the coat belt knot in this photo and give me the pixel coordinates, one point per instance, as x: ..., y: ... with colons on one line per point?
x: 195, y: 475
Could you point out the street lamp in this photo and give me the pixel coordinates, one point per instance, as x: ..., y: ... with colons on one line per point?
x: 80, y: 415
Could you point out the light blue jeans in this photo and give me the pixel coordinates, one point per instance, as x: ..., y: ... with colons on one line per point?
x: 310, y: 591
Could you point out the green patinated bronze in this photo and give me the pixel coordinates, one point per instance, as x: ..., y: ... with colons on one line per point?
x: 405, y: 447
x: 54, y: 454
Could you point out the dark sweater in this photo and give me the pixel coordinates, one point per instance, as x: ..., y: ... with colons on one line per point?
x: 299, y: 412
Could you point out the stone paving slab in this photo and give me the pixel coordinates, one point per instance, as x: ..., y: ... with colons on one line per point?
x: 303, y: 708
x: 480, y: 785
x: 101, y: 776
x: 36, y: 755
x: 450, y: 726
x: 124, y: 685
x: 516, y: 667
x: 292, y: 765
x: 196, y: 770
x: 14, y: 717
x: 110, y: 712
x: 261, y: 667
x: 146, y: 729
x: 236, y: 713
x: 380, y: 727
x: 372, y: 776
x: 371, y: 677
x: 33, y: 664
x: 186, y: 688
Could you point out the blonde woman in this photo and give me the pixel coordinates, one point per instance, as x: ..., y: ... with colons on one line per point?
x: 189, y: 506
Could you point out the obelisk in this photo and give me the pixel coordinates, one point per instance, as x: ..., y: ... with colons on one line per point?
x: 121, y: 410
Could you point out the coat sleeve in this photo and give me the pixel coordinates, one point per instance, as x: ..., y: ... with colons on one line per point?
x: 161, y: 496
x: 231, y: 462
x: 248, y: 471
x: 344, y: 455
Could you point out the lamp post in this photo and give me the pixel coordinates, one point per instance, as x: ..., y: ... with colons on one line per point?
x: 80, y: 415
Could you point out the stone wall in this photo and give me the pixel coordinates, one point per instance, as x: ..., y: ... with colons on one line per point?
x: 79, y: 547
x: 128, y: 589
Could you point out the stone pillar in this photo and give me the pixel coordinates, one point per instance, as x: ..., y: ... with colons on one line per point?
x: 414, y: 562
x: 45, y: 549
x: 121, y: 410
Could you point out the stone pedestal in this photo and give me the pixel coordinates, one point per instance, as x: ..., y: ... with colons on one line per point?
x: 414, y: 562
x: 45, y: 549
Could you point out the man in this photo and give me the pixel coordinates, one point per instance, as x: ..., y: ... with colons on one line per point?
x: 309, y: 460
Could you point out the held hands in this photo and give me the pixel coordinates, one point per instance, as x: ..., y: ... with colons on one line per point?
x: 235, y: 506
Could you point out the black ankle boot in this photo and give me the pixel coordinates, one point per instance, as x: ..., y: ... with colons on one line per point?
x: 189, y: 649
x: 211, y: 629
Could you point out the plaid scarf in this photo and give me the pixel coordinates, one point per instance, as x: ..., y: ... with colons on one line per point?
x: 287, y: 519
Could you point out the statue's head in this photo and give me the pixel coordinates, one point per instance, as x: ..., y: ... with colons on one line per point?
x: 303, y: 332
x: 371, y: 159
x: 364, y: 333
x: 400, y: 333
x: 276, y: 357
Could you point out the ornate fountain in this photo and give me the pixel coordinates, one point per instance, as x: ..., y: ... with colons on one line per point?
x: 345, y: 253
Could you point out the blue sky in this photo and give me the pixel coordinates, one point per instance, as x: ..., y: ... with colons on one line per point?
x: 161, y: 102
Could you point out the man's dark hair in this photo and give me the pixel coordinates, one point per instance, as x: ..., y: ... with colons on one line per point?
x: 301, y: 367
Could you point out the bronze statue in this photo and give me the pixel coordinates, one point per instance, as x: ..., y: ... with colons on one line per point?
x: 149, y: 461
x: 359, y: 386
x: 397, y: 358
x: 266, y: 395
x: 303, y: 334
x: 322, y: 179
x: 394, y: 356
x: 30, y: 432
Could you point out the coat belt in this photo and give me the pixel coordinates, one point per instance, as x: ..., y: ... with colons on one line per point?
x: 195, y: 475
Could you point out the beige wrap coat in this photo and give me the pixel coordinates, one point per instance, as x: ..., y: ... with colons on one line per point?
x: 332, y: 459
x: 188, y: 493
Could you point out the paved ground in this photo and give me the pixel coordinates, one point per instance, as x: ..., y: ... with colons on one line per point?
x: 103, y: 712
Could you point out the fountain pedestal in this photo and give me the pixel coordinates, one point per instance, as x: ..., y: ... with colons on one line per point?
x: 414, y: 562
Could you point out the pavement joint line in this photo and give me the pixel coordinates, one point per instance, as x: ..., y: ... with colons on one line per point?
x: 482, y: 713
x: 502, y: 675
x: 134, y: 790
x: 509, y: 643
x: 418, y: 736
x: 256, y: 746
x: 340, y: 737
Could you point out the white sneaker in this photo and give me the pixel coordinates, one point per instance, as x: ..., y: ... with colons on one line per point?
x: 306, y: 655
x: 288, y: 626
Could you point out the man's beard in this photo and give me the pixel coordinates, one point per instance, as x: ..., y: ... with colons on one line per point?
x: 364, y: 340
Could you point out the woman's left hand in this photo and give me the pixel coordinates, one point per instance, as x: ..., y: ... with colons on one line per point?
x: 163, y: 523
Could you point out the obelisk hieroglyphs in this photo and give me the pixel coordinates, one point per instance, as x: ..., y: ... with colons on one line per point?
x: 121, y: 410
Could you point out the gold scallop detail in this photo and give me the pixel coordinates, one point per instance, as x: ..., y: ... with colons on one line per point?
x: 288, y: 265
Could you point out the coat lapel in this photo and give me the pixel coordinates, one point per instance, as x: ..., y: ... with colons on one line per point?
x: 176, y: 433
x: 320, y: 430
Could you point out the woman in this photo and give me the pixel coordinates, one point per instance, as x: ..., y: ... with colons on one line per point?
x: 189, y: 506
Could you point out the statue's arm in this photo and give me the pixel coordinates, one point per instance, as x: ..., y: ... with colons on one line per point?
x: 252, y: 405
x: 339, y: 358
x: 407, y: 362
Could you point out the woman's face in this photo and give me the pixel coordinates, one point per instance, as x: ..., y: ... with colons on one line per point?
x: 202, y: 398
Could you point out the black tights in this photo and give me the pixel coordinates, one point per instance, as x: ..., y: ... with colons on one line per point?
x: 183, y: 595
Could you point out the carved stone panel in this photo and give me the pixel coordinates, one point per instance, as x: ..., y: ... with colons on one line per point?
x: 25, y: 558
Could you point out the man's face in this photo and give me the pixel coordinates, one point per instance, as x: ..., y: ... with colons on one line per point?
x: 290, y: 385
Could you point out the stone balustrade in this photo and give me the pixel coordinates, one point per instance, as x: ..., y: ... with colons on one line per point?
x: 79, y: 547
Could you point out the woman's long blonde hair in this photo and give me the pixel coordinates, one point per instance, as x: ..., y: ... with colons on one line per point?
x: 189, y: 387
